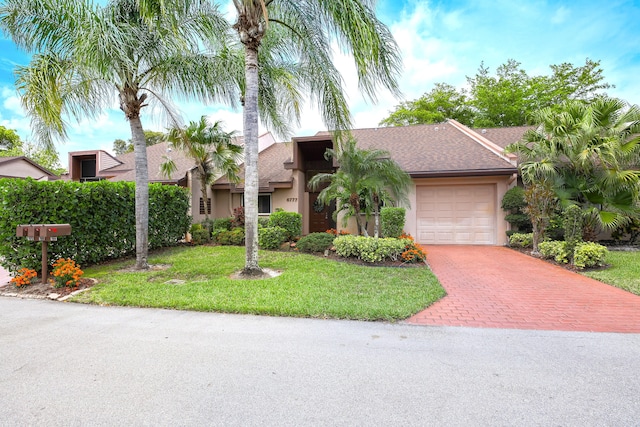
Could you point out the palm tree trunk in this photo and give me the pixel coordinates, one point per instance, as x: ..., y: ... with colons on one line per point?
x: 141, y: 193
x: 251, y: 183
x: 203, y: 191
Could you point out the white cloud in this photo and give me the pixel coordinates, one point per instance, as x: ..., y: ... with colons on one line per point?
x: 560, y: 16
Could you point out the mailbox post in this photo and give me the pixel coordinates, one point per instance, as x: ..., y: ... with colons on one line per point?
x: 44, y: 233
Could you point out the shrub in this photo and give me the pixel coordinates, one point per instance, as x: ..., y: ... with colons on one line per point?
x: 290, y: 221
x: 222, y: 223
x: 315, y: 242
x: 66, y: 273
x: 237, y: 220
x: 521, y: 240
x: 199, y: 234
x: 271, y: 237
x: 392, y: 221
x: 414, y: 253
x: 101, y: 215
x: 589, y: 254
x: 263, y: 221
x: 514, y: 202
x: 369, y: 249
x: 24, y: 276
x: 572, y: 224
x: 554, y: 249
x: 230, y: 237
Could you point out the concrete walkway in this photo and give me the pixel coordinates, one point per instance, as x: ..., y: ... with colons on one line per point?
x: 496, y: 287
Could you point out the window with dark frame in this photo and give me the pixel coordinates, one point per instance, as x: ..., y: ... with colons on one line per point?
x: 202, y: 205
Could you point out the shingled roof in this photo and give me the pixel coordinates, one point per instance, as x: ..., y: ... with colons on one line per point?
x: 445, y: 149
x: 271, y: 170
x: 155, y: 157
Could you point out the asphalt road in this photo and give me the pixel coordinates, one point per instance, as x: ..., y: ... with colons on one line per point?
x: 74, y: 365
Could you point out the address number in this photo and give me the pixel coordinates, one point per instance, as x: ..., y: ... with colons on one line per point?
x: 292, y: 199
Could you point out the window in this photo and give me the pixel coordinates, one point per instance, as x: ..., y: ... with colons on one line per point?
x: 88, y: 168
x: 202, y: 205
x: 264, y: 203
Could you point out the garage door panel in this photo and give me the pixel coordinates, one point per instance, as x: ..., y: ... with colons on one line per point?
x: 456, y: 214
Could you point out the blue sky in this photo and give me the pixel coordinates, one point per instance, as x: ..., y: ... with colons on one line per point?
x: 441, y: 41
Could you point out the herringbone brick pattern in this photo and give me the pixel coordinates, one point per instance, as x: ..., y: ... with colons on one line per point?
x: 496, y: 287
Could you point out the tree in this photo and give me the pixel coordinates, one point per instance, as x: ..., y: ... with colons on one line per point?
x: 364, y: 179
x: 9, y: 139
x: 589, y: 153
x: 211, y: 149
x: 310, y: 24
x: 120, y: 146
x: 442, y: 103
x: 94, y: 53
x: 508, y: 98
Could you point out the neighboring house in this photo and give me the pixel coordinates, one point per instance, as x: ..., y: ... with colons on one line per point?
x: 96, y: 165
x: 460, y: 176
x: 23, y: 167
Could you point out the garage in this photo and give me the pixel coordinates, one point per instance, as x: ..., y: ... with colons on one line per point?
x: 456, y: 214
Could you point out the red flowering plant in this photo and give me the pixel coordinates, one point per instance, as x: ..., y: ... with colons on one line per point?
x: 66, y: 273
x: 337, y: 233
x: 24, y: 277
x: 413, y: 252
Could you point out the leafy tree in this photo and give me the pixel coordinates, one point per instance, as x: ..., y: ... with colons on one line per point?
x: 120, y: 146
x: 211, y: 149
x: 93, y: 53
x: 508, y: 98
x: 364, y: 179
x: 442, y: 103
x: 589, y: 153
x: 8, y: 139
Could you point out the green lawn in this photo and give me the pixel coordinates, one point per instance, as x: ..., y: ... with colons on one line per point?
x: 624, y: 272
x: 309, y: 286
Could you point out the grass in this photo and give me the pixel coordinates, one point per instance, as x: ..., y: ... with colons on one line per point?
x: 309, y: 286
x: 624, y: 272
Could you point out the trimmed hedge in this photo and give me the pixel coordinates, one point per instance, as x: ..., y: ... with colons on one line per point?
x: 271, y: 237
x: 521, y: 240
x: 370, y: 249
x: 315, y: 242
x: 290, y: 221
x: 101, y: 215
x: 392, y: 221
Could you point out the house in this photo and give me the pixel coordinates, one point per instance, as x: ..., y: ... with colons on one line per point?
x: 96, y: 165
x: 23, y: 167
x: 459, y: 178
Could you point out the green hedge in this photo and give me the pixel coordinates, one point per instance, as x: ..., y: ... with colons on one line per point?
x: 392, y: 221
x: 315, y: 242
x: 370, y: 249
x: 290, y: 221
x: 101, y: 215
x: 271, y: 237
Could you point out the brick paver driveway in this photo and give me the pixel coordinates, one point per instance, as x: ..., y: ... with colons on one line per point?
x: 497, y: 287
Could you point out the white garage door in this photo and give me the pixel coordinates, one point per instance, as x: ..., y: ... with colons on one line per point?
x: 456, y: 214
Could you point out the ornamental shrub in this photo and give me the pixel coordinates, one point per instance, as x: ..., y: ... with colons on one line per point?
x: 199, y: 234
x: 66, y: 273
x: 271, y: 237
x: 290, y: 221
x: 369, y: 249
x: 101, y: 214
x: 572, y: 223
x: 589, y: 254
x: 221, y: 224
x: 554, y: 249
x: 23, y: 277
x: 233, y: 237
x: 514, y: 202
x: 263, y: 221
x: 392, y: 221
x: 521, y: 240
x: 315, y: 242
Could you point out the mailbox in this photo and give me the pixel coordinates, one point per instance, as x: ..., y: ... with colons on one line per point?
x: 23, y: 231
x: 52, y: 231
x: 34, y: 232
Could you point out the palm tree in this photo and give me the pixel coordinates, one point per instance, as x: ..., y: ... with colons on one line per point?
x: 300, y: 33
x: 211, y: 149
x: 88, y: 54
x: 364, y: 179
x: 590, y: 153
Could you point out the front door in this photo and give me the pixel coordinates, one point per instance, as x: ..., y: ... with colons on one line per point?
x: 320, y: 217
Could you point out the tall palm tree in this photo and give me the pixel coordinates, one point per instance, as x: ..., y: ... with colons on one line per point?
x: 212, y: 150
x: 364, y: 179
x: 88, y: 57
x: 305, y: 30
x: 591, y: 153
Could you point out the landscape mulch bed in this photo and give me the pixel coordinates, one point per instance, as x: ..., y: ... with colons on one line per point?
x: 43, y: 290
